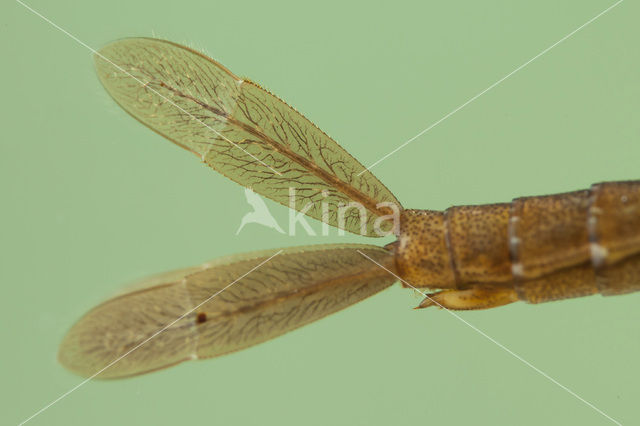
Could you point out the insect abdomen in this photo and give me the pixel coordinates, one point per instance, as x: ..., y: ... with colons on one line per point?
x: 547, y: 247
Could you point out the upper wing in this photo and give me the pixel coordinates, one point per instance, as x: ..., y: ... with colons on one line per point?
x: 210, y: 311
x: 241, y: 130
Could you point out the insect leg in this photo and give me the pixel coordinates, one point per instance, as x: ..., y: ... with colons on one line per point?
x: 478, y: 297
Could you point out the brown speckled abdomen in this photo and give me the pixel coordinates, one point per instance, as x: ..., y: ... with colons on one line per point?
x: 546, y: 248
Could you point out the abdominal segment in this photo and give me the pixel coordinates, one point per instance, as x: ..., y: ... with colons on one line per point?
x: 536, y: 249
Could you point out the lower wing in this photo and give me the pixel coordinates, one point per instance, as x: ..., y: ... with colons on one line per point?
x: 221, y: 307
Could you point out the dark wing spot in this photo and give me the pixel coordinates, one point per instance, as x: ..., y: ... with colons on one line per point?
x: 201, y: 317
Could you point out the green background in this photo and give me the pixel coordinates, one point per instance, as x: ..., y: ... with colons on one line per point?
x: 91, y: 200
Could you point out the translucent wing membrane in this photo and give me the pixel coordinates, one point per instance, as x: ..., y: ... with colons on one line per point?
x: 242, y: 131
x: 294, y: 288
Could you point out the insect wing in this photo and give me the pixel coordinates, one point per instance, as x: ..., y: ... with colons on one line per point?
x: 221, y: 307
x: 242, y: 131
